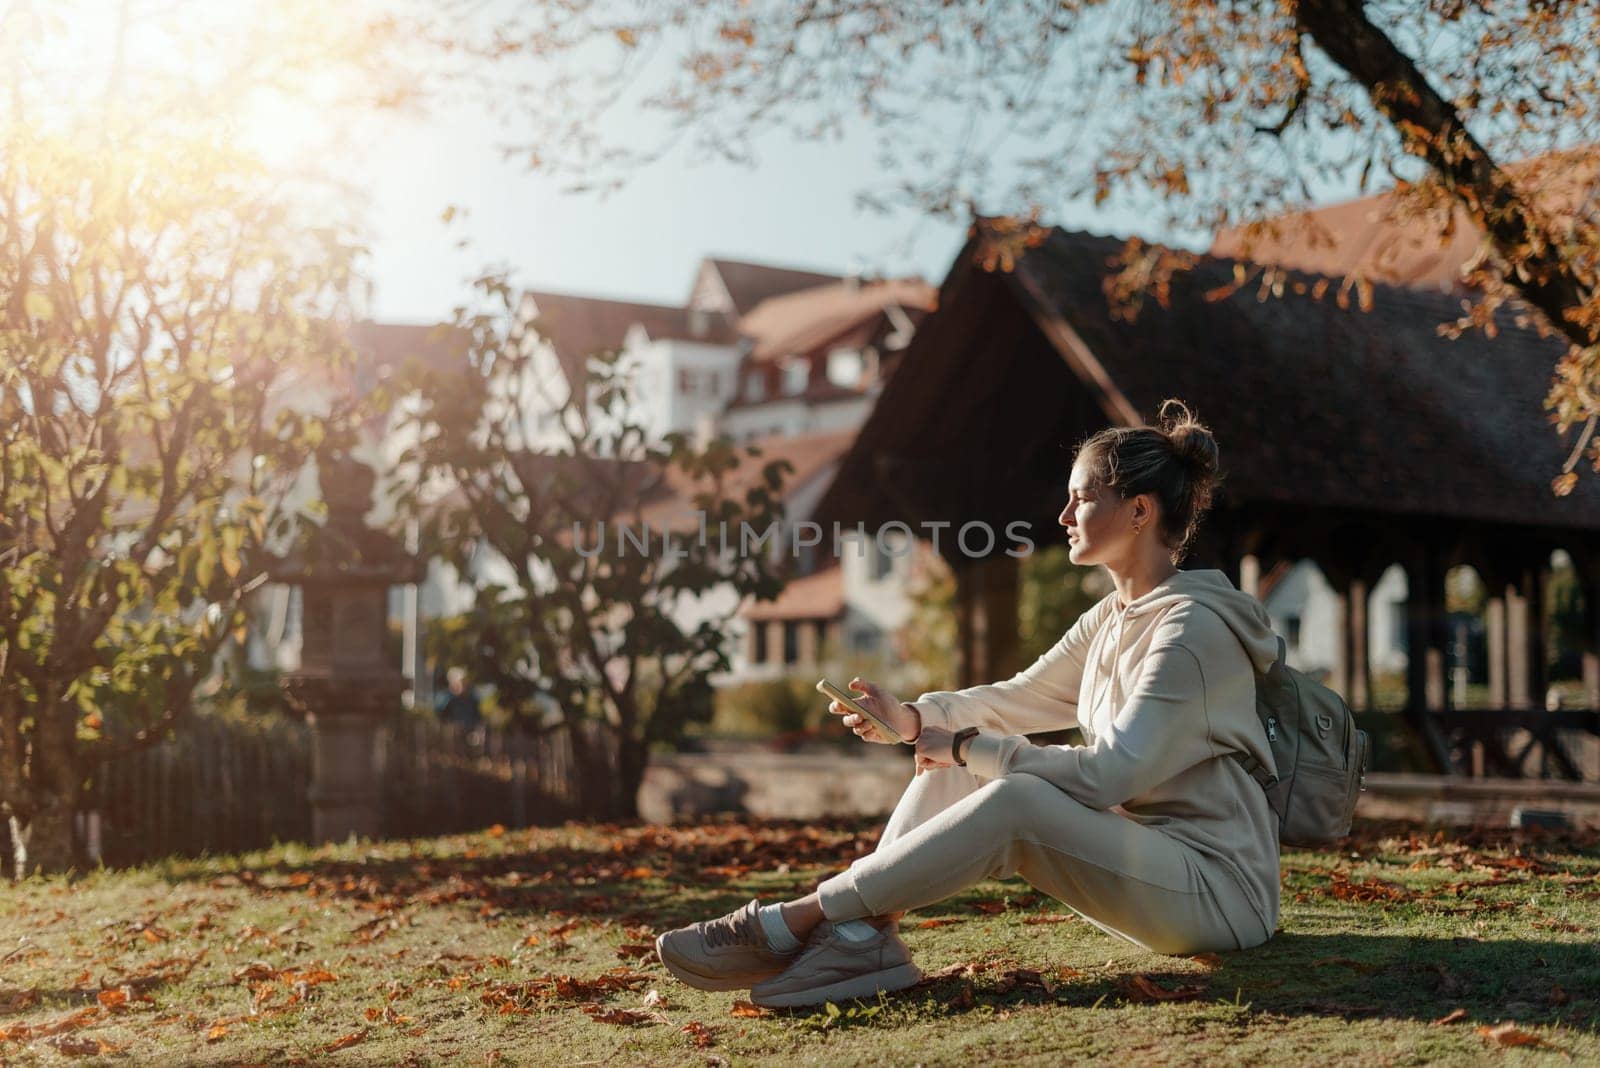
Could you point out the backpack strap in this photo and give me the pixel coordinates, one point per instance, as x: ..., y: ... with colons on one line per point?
x: 1256, y: 770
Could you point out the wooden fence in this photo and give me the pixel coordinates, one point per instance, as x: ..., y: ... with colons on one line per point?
x: 227, y: 786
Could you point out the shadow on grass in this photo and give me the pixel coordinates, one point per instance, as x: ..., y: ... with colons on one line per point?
x: 1353, y: 976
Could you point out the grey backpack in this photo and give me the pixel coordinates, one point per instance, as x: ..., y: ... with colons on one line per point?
x: 1321, y: 757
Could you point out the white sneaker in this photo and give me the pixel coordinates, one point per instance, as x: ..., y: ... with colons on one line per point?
x: 831, y: 967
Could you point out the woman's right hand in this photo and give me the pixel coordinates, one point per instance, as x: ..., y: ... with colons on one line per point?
x: 881, y: 703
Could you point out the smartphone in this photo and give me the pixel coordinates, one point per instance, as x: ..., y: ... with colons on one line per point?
x: 828, y: 689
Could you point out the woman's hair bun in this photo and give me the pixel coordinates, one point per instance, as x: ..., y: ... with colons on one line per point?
x: 1192, y: 441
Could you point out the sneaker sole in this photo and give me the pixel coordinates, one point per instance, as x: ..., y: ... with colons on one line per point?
x: 857, y: 986
x: 695, y: 979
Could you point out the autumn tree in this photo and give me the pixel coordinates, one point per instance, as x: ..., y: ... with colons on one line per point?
x: 161, y: 306
x: 1200, y: 114
x: 616, y: 560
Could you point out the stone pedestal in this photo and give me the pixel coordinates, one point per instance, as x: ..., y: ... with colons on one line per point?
x: 345, y: 718
x: 345, y: 687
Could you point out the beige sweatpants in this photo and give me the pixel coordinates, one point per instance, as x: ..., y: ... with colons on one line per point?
x: 953, y: 828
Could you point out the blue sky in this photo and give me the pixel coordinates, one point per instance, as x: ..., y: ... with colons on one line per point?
x: 795, y: 207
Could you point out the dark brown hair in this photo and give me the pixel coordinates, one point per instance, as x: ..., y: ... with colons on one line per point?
x: 1175, y: 461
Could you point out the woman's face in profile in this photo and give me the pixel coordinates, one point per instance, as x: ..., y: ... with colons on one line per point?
x: 1093, y: 518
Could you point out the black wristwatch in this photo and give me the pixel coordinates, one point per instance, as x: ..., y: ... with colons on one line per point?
x: 955, y: 744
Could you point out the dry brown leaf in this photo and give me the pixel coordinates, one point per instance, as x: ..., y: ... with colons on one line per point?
x: 1050, y: 917
x: 747, y: 1010
x: 1509, y: 1034
x: 354, y: 1038
x: 1142, y: 988
x: 1210, y: 960
x: 217, y: 1033
x: 941, y: 922
x: 1455, y: 1016
x: 630, y: 951
x: 85, y: 1047
x: 704, y: 1037
x: 626, y: 1017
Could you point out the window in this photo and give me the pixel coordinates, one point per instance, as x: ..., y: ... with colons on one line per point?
x: 882, y: 563
x: 713, y: 383
x: 791, y: 641
x: 863, y: 640
x: 1292, y: 625
x: 796, y: 376
x: 760, y: 653
x: 755, y: 388
x: 686, y: 378
x: 845, y: 367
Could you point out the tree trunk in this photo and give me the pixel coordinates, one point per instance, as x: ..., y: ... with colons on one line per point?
x: 43, y: 845
x: 1432, y: 129
x: 633, y: 756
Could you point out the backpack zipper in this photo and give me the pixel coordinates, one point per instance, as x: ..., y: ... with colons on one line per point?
x: 1272, y: 728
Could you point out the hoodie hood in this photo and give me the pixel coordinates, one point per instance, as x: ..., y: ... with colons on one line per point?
x: 1244, y: 614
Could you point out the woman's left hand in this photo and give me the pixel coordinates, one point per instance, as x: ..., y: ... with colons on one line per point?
x: 933, y: 748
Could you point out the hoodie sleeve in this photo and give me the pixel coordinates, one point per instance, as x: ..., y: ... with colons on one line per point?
x: 1162, y: 729
x: 1043, y: 696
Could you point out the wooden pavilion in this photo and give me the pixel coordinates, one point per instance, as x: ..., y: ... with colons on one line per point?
x: 1355, y: 439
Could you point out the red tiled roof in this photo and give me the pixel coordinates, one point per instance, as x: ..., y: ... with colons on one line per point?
x: 748, y: 284
x: 577, y: 327
x: 830, y: 315
x: 819, y: 595
x: 1365, y: 236
x: 809, y: 454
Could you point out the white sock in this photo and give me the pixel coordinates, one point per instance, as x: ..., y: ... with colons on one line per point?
x: 779, y: 938
x: 856, y: 930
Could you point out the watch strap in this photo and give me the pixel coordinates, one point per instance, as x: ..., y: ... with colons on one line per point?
x: 955, y: 744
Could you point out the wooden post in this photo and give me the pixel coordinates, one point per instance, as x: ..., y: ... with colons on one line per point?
x: 1495, y: 632
x: 1519, y: 676
x: 806, y: 641
x: 1339, y: 677
x: 1591, y: 644
x: 1250, y: 574
x: 1360, y: 657
x: 986, y: 619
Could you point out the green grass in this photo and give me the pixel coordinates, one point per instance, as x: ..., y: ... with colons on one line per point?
x: 500, y: 947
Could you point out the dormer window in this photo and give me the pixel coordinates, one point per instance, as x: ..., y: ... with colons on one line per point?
x: 796, y: 376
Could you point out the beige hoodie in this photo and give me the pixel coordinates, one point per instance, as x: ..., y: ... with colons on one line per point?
x: 1164, y: 691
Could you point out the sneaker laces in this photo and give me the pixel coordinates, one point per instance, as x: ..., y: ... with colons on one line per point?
x: 734, y: 929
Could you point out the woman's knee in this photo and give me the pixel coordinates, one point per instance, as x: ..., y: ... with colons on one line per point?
x: 1020, y: 799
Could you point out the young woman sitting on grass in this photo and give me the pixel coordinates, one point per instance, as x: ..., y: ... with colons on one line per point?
x: 1150, y: 830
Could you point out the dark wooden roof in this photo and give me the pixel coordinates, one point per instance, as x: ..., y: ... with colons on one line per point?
x: 1312, y: 405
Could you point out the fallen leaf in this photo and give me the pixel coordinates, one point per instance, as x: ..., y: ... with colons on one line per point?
x: 746, y: 1010
x: 1142, y: 988
x: 703, y: 1036
x: 217, y: 1033
x: 634, y: 952
x: 1455, y: 1016
x: 625, y: 1017
x: 942, y: 922
x: 1049, y: 917
x: 1509, y: 1034
x: 1210, y: 960
x: 497, y: 831
x: 354, y: 1038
